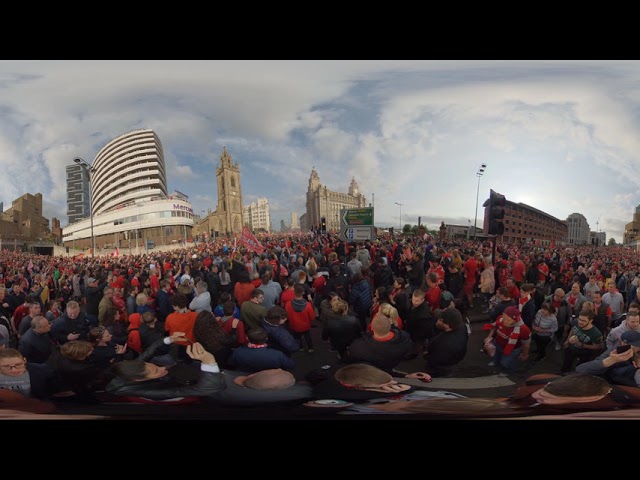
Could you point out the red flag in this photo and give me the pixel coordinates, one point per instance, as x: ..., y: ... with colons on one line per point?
x: 250, y: 241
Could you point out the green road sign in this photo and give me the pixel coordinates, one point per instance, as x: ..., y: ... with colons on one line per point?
x: 357, y: 216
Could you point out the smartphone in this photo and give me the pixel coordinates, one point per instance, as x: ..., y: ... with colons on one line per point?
x: 622, y: 348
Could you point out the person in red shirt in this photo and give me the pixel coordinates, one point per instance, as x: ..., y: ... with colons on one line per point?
x: 432, y: 290
x: 243, y: 288
x: 512, y: 339
x: 470, y: 268
x: 181, y: 320
x: 543, y: 272
x: 300, y: 314
x: 514, y: 291
x: 287, y: 294
x: 518, y: 270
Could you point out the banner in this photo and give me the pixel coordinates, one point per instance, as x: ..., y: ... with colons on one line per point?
x: 250, y: 241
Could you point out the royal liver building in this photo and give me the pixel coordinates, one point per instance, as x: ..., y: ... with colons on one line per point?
x: 322, y: 202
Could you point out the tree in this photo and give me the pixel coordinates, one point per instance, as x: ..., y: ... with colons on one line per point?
x: 612, y: 242
x: 406, y: 228
x: 414, y: 229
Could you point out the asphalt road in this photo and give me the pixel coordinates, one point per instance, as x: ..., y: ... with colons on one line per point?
x: 473, y: 377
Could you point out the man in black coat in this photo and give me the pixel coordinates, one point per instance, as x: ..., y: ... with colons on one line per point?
x: 137, y: 378
x: 504, y: 301
x: 93, y: 294
x: 212, y: 277
x: 36, y: 343
x: 449, y: 346
x: 385, y: 348
x: 419, y: 323
x: 383, y: 276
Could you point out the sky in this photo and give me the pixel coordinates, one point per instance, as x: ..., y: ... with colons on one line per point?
x: 561, y: 136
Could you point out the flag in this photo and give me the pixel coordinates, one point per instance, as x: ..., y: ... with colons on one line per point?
x: 250, y: 241
x: 116, y: 252
x: 30, y: 267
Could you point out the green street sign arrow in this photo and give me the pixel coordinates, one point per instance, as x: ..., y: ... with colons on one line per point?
x: 358, y: 216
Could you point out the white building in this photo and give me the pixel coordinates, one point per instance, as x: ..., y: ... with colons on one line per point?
x: 598, y: 238
x: 256, y: 215
x: 294, y: 221
x: 578, y: 232
x: 130, y: 204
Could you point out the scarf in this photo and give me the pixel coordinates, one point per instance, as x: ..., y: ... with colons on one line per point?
x: 523, y: 301
x: 513, y: 338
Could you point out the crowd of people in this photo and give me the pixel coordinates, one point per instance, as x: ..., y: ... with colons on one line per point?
x: 223, y: 325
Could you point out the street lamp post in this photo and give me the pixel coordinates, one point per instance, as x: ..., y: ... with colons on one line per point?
x: 479, y: 174
x: 89, y: 169
x: 400, y: 205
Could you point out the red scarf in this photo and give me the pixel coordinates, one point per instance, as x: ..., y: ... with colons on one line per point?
x: 253, y: 345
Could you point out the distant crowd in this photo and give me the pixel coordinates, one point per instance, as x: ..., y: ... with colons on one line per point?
x: 214, y: 323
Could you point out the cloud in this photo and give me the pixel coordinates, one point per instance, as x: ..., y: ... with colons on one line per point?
x: 560, y: 135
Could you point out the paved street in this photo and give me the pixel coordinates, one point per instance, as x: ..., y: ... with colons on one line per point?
x: 473, y: 377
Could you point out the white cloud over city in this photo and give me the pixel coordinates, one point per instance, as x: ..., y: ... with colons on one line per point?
x: 559, y: 136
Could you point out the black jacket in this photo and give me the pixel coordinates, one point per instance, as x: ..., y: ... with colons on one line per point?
x: 164, y: 388
x: 384, y: 355
x: 447, y: 348
x: 415, y: 276
x: 383, y: 276
x: 35, y: 347
x: 94, y: 295
x: 420, y: 322
x: 63, y: 326
x: 343, y: 330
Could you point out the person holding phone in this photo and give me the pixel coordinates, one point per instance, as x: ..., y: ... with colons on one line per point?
x: 141, y: 379
x: 619, y: 365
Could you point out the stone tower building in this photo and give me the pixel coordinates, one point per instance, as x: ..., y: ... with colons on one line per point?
x: 227, y: 218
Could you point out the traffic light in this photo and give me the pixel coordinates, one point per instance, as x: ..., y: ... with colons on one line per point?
x: 323, y: 226
x: 497, y: 202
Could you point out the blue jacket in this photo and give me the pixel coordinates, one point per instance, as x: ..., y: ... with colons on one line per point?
x: 256, y: 359
x: 280, y: 338
x: 361, y: 297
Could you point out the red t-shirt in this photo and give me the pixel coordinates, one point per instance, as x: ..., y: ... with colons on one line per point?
x: 518, y: 270
x: 287, y: 296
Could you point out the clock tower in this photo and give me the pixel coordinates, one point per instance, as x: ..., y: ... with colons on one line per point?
x: 227, y: 219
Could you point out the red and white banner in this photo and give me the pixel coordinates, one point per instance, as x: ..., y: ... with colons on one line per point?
x: 250, y: 241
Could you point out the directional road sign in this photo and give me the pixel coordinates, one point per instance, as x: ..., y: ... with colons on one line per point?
x: 354, y: 234
x: 357, y: 216
x: 356, y: 224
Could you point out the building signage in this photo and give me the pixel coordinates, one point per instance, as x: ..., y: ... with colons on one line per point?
x: 177, y: 206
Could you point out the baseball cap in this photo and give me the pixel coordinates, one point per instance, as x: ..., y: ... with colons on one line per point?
x: 631, y: 337
x: 4, y: 340
x: 512, y: 312
x: 91, y: 280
